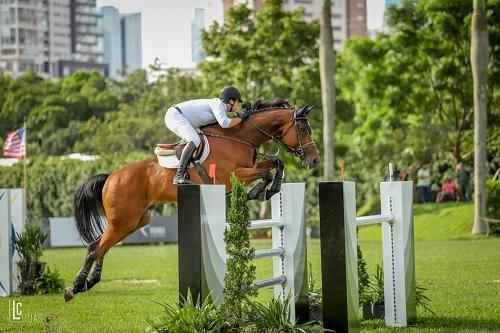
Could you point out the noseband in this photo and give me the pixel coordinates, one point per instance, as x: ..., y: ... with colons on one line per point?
x: 299, y: 151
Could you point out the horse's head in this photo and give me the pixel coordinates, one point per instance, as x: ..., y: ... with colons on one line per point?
x: 296, y: 135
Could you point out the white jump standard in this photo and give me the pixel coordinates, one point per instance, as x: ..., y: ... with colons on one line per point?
x: 338, y: 223
x: 202, y: 251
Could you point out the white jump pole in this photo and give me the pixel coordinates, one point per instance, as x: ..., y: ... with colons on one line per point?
x: 202, y: 253
x: 339, y: 254
x: 12, y: 218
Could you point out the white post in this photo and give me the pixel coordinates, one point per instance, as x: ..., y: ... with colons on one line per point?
x: 12, y: 218
x: 288, y: 206
x: 398, y: 253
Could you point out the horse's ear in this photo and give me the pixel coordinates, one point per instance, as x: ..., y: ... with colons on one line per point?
x: 301, y: 112
x: 308, y: 109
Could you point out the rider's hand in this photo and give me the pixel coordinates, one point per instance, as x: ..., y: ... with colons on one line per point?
x: 243, y: 115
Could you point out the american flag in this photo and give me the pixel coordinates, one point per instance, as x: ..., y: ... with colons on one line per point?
x: 15, y: 144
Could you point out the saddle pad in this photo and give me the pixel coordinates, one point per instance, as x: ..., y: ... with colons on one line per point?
x: 171, y: 161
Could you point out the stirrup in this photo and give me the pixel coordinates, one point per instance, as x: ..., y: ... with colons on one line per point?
x: 182, y: 181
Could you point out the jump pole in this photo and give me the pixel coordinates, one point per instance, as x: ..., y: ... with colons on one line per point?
x: 202, y: 252
x: 338, y: 223
x: 12, y: 218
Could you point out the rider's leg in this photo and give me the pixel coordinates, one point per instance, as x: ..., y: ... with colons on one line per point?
x: 187, y: 153
x: 178, y: 124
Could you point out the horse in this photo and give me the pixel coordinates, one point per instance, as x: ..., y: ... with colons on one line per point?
x: 126, y: 197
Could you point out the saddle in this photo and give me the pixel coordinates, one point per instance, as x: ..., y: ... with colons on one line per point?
x: 167, y: 149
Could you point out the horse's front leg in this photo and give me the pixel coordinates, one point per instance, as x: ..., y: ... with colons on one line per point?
x: 278, y: 176
x: 249, y: 175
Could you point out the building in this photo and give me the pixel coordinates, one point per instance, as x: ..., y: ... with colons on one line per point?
x: 122, y: 41
x: 349, y: 17
x: 52, y: 38
x: 197, y: 26
x: 112, y: 40
x: 132, y: 42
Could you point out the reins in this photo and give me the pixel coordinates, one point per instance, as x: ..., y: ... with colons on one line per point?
x: 299, y: 152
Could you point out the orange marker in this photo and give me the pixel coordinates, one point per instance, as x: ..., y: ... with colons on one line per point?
x: 342, y: 169
x: 211, y: 173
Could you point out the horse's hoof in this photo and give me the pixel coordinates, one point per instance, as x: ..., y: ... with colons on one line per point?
x: 68, y: 294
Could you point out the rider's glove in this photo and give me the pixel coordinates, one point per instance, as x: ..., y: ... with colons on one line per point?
x: 243, y: 115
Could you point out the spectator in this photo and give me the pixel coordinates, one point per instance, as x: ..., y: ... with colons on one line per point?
x: 449, y: 191
x: 463, y: 177
x: 404, y: 176
x: 424, y: 183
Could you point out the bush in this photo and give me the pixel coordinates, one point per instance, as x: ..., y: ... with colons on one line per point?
x: 494, y: 204
x: 49, y: 282
x: 274, y: 317
x: 29, y: 247
x: 189, y: 316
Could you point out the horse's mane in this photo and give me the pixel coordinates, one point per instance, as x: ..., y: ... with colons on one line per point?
x: 261, y: 105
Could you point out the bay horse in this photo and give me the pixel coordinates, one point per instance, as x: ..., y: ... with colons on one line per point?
x: 126, y: 196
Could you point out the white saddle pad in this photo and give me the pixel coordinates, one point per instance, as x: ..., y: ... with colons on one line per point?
x: 171, y: 161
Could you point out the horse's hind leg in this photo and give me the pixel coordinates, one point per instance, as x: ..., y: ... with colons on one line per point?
x: 106, y: 244
x: 80, y: 283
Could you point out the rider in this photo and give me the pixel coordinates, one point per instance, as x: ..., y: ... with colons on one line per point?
x: 183, y: 118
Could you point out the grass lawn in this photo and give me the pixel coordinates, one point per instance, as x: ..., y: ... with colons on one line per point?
x: 462, y: 276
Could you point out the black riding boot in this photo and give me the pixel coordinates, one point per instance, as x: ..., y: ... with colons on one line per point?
x: 187, y: 153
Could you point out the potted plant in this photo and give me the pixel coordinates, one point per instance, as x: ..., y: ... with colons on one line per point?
x: 372, y: 297
x: 314, y: 297
x: 29, y: 247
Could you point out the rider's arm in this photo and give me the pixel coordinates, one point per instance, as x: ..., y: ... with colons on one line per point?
x: 235, y: 121
x: 219, y: 110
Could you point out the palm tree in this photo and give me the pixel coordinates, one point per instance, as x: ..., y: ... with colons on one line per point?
x: 479, y: 61
x: 327, y: 74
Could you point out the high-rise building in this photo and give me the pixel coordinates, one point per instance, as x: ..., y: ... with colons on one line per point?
x: 49, y: 37
x: 122, y: 41
x: 349, y: 17
x: 132, y: 42
x: 197, y: 25
x: 23, y: 27
x: 112, y: 38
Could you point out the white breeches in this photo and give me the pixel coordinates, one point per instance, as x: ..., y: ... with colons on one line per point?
x: 178, y: 124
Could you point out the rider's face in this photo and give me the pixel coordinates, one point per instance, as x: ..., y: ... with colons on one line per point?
x: 233, y: 105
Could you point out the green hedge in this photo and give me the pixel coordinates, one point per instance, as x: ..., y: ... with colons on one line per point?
x: 494, y: 204
x: 53, y: 181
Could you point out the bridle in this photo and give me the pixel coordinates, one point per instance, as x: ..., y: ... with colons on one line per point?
x: 299, y: 151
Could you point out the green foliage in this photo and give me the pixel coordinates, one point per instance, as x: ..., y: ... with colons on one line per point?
x: 274, y: 317
x: 240, y: 273
x: 314, y: 291
x: 494, y: 204
x: 373, y: 294
x: 188, y: 317
x: 363, y: 277
x: 412, y: 89
x: 29, y: 243
x: 49, y: 282
x: 29, y: 247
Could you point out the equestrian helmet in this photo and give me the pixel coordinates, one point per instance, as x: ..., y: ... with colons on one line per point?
x: 228, y: 93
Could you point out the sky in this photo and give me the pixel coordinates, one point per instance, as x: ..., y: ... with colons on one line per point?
x: 166, y: 25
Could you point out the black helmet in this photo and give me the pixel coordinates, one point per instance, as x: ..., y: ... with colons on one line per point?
x: 228, y: 93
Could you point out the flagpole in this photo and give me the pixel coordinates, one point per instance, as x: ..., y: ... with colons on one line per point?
x: 25, y: 158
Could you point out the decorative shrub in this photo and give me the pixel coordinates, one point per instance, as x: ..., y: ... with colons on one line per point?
x: 189, y: 316
x: 29, y: 246
x: 49, y: 282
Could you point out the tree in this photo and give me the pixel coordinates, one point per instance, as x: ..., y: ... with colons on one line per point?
x: 327, y: 74
x: 479, y: 61
x: 412, y: 95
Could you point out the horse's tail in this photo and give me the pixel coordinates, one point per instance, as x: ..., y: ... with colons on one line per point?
x: 89, y: 209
